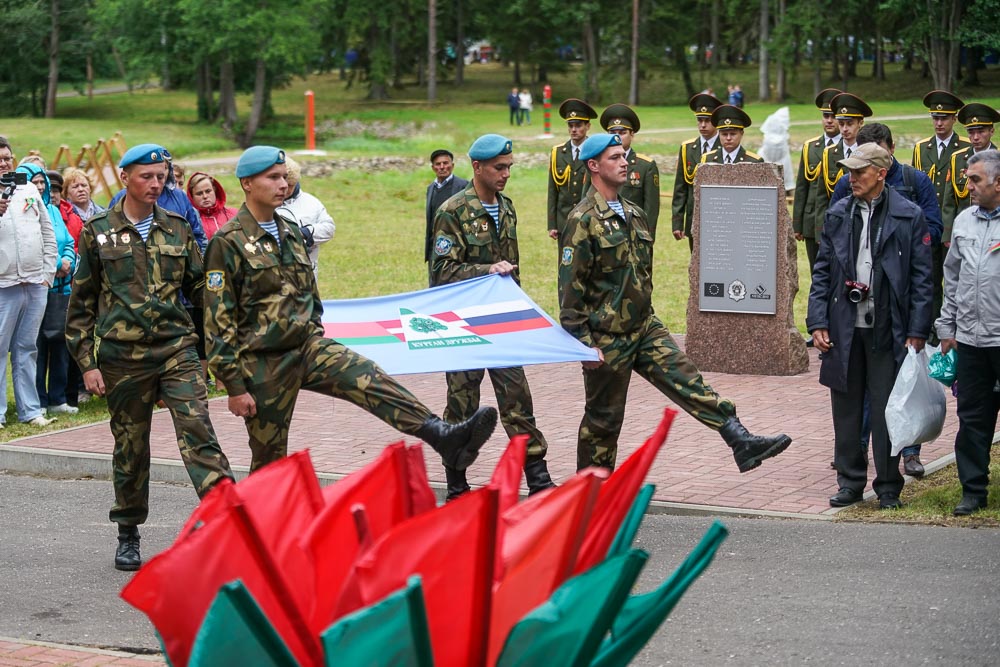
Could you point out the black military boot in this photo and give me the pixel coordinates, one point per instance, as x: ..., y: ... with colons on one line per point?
x: 127, y: 556
x: 536, y: 473
x: 749, y: 449
x: 459, y: 444
x: 457, y: 483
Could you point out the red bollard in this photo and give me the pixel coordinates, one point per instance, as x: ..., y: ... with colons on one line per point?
x: 547, y: 95
x: 310, y: 121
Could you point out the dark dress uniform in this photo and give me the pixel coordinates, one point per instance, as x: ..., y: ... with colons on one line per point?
x: 742, y: 155
x: 728, y: 117
x: 127, y: 294
x: 643, y: 184
x: 811, y: 197
x: 263, y: 316
x: 956, y: 198
x: 688, y: 158
x: 568, y: 179
x: 467, y: 242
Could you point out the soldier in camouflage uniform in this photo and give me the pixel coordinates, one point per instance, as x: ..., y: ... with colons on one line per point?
x: 475, y: 234
x: 567, y: 173
x: 682, y: 204
x: 605, y: 298
x: 643, y: 185
x: 136, y: 259
x: 811, y: 196
x: 263, y: 320
x: 978, y: 120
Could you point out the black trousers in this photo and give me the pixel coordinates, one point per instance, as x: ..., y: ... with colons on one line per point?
x: 874, y: 370
x: 977, y: 372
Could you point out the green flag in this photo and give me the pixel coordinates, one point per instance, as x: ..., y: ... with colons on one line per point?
x: 392, y: 631
x: 642, y: 614
x: 236, y: 632
x: 630, y: 526
x: 567, y: 629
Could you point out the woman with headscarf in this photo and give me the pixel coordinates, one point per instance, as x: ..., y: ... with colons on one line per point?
x: 209, y: 198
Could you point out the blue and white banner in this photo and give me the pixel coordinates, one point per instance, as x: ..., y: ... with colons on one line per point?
x: 486, y: 322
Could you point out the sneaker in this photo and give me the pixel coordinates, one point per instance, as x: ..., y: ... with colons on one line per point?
x: 41, y: 420
x: 62, y: 408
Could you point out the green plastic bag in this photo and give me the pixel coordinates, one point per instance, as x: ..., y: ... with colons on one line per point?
x: 941, y: 367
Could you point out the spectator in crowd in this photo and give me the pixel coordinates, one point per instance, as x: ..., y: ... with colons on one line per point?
x: 78, y: 188
x: 36, y: 160
x: 75, y: 390
x: 179, y: 173
x: 524, y: 99
x: 27, y: 266
x: 440, y: 190
x: 870, y: 300
x: 969, y: 323
x: 52, y: 369
x: 209, y: 198
x: 514, y: 104
x: 308, y: 213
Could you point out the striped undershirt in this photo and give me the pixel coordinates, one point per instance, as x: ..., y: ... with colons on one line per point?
x: 143, y: 227
x: 271, y: 228
x: 494, y: 211
x: 616, y: 206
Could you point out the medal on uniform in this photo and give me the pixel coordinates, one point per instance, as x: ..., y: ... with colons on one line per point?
x: 614, y: 223
x: 633, y: 179
x: 126, y: 238
x: 267, y: 246
x: 102, y: 239
x: 114, y: 238
x: 250, y: 248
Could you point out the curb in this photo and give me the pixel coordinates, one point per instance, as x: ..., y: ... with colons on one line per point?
x: 152, y: 658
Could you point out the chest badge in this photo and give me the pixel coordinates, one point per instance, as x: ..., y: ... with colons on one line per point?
x: 267, y: 246
x: 126, y: 238
x: 633, y: 179
x: 250, y: 248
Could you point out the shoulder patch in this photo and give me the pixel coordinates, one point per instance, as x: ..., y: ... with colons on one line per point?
x: 567, y: 256
x: 215, y: 280
x: 442, y: 245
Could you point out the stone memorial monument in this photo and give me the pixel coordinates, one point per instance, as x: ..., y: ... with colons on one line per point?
x: 743, y: 274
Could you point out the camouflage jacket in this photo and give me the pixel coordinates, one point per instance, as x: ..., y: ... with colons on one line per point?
x: 643, y: 187
x: 466, y: 238
x: 568, y: 183
x: 129, y: 291
x: 259, y: 296
x: 604, y: 270
x: 811, y: 197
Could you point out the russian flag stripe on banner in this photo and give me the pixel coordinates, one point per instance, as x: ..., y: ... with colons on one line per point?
x: 486, y: 322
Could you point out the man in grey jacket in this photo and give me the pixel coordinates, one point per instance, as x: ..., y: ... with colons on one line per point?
x: 970, y: 322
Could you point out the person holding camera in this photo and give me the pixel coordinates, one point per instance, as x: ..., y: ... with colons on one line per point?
x: 871, y: 298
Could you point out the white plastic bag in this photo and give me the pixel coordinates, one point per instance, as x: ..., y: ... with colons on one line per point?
x: 916, y: 409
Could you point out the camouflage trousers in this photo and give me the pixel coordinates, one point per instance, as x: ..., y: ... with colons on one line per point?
x: 326, y: 367
x: 653, y: 354
x: 133, y: 387
x: 513, y: 400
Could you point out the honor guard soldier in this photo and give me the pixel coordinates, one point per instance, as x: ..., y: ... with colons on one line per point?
x: 475, y: 234
x: 263, y: 318
x: 933, y: 157
x: 567, y: 174
x: 850, y: 112
x: 643, y: 184
x: 811, y: 197
x: 136, y: 259
x: 682, y: 204
x: 978, y: 120
x: 731, y: 122
x: 605, y: 299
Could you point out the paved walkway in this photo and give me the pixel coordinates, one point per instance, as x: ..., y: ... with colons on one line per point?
x: 695, y: 471
x: 21, y: 653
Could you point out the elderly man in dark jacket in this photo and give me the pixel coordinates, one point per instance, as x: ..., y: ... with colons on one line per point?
x: 871, y: 297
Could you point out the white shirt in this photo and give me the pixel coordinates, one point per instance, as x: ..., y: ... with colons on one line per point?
x: 850, y: 148
x: 942, y: 144
x: 730, y: 158
x: 706, y: 144
x: 832, y: 141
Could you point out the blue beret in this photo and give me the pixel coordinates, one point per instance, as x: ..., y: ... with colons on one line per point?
x: 490, y: 146
x: 257, y: 159
x: 144, y: 154
x: 597, y: 143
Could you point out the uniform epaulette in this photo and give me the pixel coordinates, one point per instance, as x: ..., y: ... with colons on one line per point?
x: 173, y: 214
x: 711, y: 153
x: 643, y: 156
x: 816, y: 138
x: 752, y: 154
x: 558, y: 146
x: 690, y: 141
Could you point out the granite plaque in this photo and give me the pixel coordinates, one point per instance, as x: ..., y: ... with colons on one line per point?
x: 738, y: 249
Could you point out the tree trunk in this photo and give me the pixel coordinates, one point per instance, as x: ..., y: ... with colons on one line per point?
x: 764, y: 76
x: 257, y: 105
x: 90, y: 76
x: 714, y: 35
x: 53, y: 87
x: 592, y: 89
x: 835, y: 58
x: 680, y: 58
x: 121, y: 68
x: 459, y: 44
x: 633, y: 87
x: 878, y: 71
x: 431, y: 51
x: 227, y: 95
x: 942, y: 46
x: 165, y: 81
x: 781, y: 91
x: 974, y: 61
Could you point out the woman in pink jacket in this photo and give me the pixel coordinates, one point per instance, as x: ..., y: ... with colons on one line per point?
x: 209, y: 199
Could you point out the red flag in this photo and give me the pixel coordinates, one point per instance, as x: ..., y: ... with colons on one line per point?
x: 617, y: 494
x: 389, y: 490
x: 507, y: 475
x: 452, y: 549
x: 176, y: 587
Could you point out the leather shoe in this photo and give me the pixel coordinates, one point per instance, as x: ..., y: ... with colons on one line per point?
x: 889, y: 501
x: 968, y: 505
x: 457, y: 483
x: 536, y: 473
x: 749, y: 449
x: 127, y: 556
x: 845, y: 497
x: 459, y: 444
x: 912, y: 466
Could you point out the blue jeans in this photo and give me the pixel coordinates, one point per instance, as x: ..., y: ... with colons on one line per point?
x: 866, y: 431
x: 53, y: 360
x: 22, y: 308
